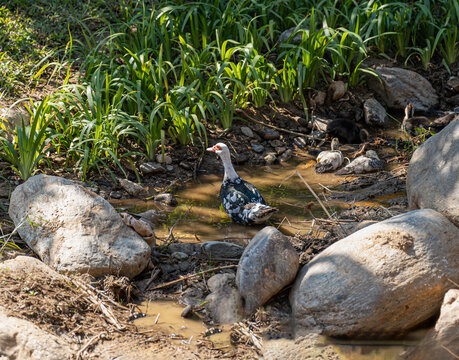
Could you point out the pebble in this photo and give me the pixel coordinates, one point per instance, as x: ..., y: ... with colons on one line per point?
x: 185, y: 165
x: 270, y: 158
x: 257, y: 148
x: 151, y: 168
x: 187, y: 312
x: 167, y: 159
x: 169, y: 168
x: 116, y: 194
x: 453, y: 83
x: 179, y: 255
x: 247, y: 131
x: 269, y: 134
x: 285, y: 156
x: 166, y: 199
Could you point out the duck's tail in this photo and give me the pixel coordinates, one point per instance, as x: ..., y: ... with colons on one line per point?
x: 256, y: 213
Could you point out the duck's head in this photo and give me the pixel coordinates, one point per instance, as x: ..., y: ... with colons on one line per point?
x: 372, y: 154
x: 219, y: 149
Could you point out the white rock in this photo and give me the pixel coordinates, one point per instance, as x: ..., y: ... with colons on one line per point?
x: 380, y: 281
x: 73, y: 229
x: 22, y: 340
x: 442, y: 341
x: 433, y: 174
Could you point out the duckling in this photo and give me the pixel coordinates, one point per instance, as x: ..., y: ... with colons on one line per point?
x: 329, y: 160
x: 347, y: 131
x: 411, y: 122
x: 367, y: 163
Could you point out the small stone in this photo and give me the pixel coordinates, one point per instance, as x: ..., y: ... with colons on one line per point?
x: 270, y: 158
x: 285, y: 156
x: 187, y: 312
x: 170, y: 168
x: 280, y: 150
x: 219, y: 281
x: 276, y: 143
x: 166, y: 199
x: 453, y: 100
x: 300, y: 142
x: 269, y: 134
x: 133, y: 189
x: 453, y: 83
x: 241, y: 158
x: 151, y: 168
x: 166, y: 160
x: 179, y: 255
x: 220, y: 249
x: 320, y: 97
x: 336, y: 90
x: 185, y: 165
x: 375, y: 114
x: 247, y: 131
x: 116, y: 194
x: 257, y: 147
x: 187, y: 248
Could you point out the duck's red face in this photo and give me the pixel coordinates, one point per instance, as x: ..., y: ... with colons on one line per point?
x: 214, y: 148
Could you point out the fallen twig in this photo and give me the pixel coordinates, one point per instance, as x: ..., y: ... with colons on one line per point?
x: 192, y: 276
x: 338, y: 226
x: 248, y: 117
x: 90, y: 341
x: 153, y: 276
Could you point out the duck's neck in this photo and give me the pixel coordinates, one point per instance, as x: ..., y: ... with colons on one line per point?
x: 230, y: 173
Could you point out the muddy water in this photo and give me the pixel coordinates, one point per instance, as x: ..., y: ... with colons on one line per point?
x: 165, y: 317
x: 200, y: 217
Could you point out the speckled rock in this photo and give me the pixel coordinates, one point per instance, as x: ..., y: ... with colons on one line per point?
x: 151, y: 168
x: 380, y: 281
x: 22, y: 340
x: 72, y: 229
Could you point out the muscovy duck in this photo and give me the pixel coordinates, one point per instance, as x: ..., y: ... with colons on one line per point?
x: 241, y: 200
x: 367, y: 163
x: 329, y: 160
x: 347, y: 131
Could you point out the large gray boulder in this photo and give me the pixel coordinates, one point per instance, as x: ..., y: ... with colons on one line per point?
x: 433, y: 174
x: 22, y: 340
x: 73, y: 229
x: 268, y: 264
x: 382, y: 280
x: 442, y: 342
x: 398, y: 87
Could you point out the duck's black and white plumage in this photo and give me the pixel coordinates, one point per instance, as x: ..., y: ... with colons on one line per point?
x: 346, y: 131
x: 329, y: 160
x: 240, y: 199
x: 411, y: 123
x: 367, y: 163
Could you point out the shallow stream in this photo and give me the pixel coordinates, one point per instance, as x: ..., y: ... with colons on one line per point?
x: 199, y: 217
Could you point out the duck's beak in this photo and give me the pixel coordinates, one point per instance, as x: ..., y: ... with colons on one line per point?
x: 213, y: 149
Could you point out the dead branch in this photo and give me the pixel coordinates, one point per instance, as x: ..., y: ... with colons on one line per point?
x: 192, y: 276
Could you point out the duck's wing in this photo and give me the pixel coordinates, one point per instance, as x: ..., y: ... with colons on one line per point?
x: 237, y: 194
x: 361, y: 165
